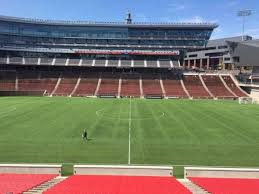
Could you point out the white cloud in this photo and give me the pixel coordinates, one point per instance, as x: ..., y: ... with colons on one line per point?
x: 232, y: 3
x: 194, y: 19
x: 173, y: 7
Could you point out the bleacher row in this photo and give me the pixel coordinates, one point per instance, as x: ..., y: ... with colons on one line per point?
x: 89, y: 62
x: 122, y: 84
x: 117, y: 184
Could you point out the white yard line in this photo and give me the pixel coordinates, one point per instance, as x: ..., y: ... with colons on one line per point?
x: 130, y: 109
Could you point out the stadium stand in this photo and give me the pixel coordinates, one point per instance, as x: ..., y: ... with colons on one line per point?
x: 113, y: 63
x: 151, y: 63
x: 87, y: 62
x: 87, y: 85
x: 31, y: 61
x: 125, y: 63
x: 227, y: 185
x: 60, y: 61
x: 46, y: 61
x: 231, y: 84
x: 165, y: 64
x: 67, y: 84
x: 109, y: 85
x: 173, y: 86
x: 130, y: 85
x: 18, y: 183
x: 16, y: 60
x: 100, y: 62
x: 139, y: 63
x: 74, y: 62
x: 151, y: 85
x: 7, y: 82
x: 118, y: 184
x: 194, y: 86
x: 216, y: 87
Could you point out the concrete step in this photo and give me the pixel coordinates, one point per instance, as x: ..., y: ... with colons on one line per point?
x: 45, y: 186
x: 195, y: 189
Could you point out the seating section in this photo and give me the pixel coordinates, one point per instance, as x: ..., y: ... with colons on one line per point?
x: 119, y: 185
x: 130, y: 85
x: 45, y: 81
x: 228, y: 185
x: 18, y: 183
x: 151, y: 85
x: 7, y: 82
x: 216, y: 86
x: 67, y: 85
x: 231, y: 84
x: 109, y: 85
x: 194, y: 86
x: 87, y: 85
x: 173, y: 87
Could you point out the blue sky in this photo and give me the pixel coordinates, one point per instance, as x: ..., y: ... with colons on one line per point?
x: 222, y: 12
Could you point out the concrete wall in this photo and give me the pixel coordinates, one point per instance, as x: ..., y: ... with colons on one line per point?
x: 221, y: 172
x: 30, y: 169
x: 164, y: 171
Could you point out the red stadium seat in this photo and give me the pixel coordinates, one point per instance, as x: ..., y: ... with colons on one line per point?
x: 82, y: 184
x: 18, y: 183
x: 228, y: 185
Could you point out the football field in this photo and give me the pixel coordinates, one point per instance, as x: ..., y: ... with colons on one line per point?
x: 122, y: 131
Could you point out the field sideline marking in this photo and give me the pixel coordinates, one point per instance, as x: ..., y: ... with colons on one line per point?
x: 130, y: 115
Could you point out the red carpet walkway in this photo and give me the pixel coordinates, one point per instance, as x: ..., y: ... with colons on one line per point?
x: 84, y: 184
x: 228, y: 185
x: 18, y: 183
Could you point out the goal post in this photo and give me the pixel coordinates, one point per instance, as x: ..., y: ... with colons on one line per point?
x: 245, y: 100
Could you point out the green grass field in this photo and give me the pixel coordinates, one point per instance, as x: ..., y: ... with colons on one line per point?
x: 166, y: 132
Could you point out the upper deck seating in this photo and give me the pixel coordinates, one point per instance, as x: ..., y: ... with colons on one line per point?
x: 16, y: 60
x: 130, y: 85
x: 113, y: 63
x: 100, y: 62
x: 78, y: 184
x: 138, y: 63
x: 87, y: 62
x: 216, y: 87
x: 31, y: 61
x: 231, y: 84
x: 194, y: 86
x: 151, y: 63
x: 60, y: 61
x: 74, y: 62
x: 18, y: 183
x: 228, y: 185
x: 165, y: 63
x: 125, y: 63
x: 46, y: 61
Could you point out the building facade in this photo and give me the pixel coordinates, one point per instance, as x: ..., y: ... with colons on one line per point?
x: 216, y: 55
x: 31, y: 38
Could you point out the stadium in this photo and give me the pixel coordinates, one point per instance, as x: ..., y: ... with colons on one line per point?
x: 157, y: 118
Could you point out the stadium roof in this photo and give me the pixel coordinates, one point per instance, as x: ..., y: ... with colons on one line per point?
x: 222, y: 41
x: 110, y: 24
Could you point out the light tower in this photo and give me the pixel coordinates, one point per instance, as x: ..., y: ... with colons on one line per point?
x: 244, y: 13
x: 128, y: 19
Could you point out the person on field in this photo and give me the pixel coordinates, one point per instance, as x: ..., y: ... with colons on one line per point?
x: 84, y: 135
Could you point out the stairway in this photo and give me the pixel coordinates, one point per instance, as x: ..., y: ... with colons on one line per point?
x: 45, y: 186
x: 192, y: 187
